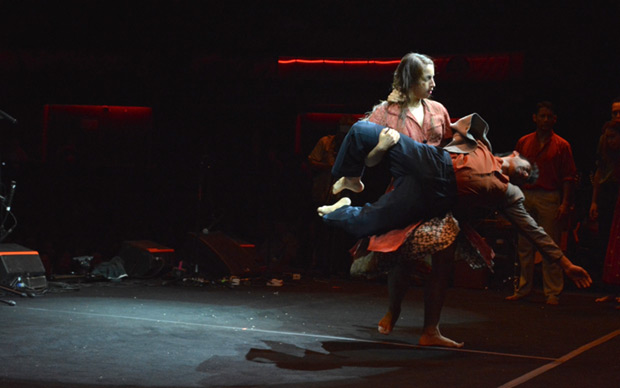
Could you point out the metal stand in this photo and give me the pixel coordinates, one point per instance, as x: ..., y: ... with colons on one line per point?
x: 5, y: 212
x: 8, y: 199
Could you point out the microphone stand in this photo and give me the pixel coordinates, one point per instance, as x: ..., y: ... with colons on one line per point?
x: 6, y: 201
x: 6, y: 206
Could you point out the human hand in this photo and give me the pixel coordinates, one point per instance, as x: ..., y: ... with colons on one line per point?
x: 563, y: 214
x: 593, y: 211
x: 579, y: 276
x: 387, y: 138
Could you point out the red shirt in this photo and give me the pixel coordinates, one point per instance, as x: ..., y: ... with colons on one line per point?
x: 554, y: 160
x: 435, y: 127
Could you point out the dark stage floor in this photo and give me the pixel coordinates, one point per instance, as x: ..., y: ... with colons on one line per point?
x: 306, y: 333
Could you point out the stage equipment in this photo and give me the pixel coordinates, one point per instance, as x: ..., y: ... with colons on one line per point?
x: 21, y: 268
x: 6, y: 198
x: 215, y: 255
x: 5, y: 212
x: 146, y: 259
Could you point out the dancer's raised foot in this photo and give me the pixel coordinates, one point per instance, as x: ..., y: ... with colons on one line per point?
x: 351, y: 183
x: 323, y: 210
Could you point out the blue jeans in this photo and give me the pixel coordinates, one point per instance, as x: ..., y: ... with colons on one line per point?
x: 424, y: 183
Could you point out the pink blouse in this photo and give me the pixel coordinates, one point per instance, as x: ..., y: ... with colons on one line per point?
x: 435, y: 127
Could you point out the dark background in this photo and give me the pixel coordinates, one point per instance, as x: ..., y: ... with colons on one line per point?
x: 221, y: 148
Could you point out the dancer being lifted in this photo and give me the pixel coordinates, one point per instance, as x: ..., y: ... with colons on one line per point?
x: 430, y: 181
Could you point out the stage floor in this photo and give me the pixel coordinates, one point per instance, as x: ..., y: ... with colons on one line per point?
x: 312, y: 332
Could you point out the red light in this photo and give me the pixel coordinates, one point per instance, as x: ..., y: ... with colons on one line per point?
x: 339, y: 61
x: 160, y: 250
x: 485, y: 67
x: 21, y: 253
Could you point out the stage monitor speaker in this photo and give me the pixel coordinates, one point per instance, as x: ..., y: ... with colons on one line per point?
x: 17, y: 262
x: 144, y: 259
x: 216, y: 255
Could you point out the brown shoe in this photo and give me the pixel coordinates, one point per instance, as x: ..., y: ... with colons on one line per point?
x: 515, y: 297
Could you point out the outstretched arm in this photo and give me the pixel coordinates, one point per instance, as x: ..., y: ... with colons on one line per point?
x: 520, y: 218
x: 387, y: 139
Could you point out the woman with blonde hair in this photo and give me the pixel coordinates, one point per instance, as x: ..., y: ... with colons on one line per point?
x: 409, y: 108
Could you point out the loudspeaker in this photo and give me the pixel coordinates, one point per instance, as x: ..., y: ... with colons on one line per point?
x: 16, y: 262
x: 145, y: 258
x: 215, y: 255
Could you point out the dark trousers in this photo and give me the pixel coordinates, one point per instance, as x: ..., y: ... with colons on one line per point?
x: 424, y: 184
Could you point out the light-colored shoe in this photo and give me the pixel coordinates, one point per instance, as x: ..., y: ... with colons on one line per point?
x: 515, y: 296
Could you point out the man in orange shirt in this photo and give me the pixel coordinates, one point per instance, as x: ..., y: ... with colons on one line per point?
x: 548, y: 200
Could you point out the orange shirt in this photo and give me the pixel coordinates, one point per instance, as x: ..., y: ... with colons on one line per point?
x: 479, y: 178
x: 479, y: 182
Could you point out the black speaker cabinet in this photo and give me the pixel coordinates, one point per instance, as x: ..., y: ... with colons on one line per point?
x: 215, y: 255
x: 145, y: 258
x: 16, y: 262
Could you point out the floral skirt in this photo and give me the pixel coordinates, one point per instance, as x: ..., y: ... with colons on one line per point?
x: 428, y: 238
